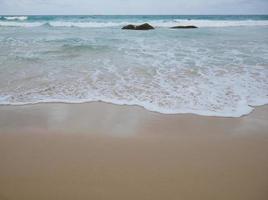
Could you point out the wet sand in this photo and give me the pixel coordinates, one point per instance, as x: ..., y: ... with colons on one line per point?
x: 101, y: 151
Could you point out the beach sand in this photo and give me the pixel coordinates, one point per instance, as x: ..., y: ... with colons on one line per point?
x: 99, y: 151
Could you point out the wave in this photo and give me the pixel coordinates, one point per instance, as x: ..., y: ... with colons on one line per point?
x: 242, y: 109
x: 19, y: 18
x: 156, y: 23
x: 20, y: 24
x: 215, y: 73
x: 228, y: 95
x: 217, y: 23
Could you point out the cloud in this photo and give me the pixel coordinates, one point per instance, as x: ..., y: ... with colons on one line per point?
x: 133, y: 7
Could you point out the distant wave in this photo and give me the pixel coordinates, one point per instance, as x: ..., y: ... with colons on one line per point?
x: 219, y: 23
x: 19, y: 18
x: 20, y: 22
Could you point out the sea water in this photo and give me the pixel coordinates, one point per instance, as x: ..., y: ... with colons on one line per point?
x: 219, y: 69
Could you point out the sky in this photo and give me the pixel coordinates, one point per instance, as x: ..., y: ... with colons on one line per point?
x: 129, y: 7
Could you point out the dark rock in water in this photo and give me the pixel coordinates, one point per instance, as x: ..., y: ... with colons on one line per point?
x: 129, y: 27
x: 183, y: 27
x: 145, y: 26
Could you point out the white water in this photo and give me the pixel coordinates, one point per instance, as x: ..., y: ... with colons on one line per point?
x: 156, y: 23
x: 20, y: 18
x: 214, y: 72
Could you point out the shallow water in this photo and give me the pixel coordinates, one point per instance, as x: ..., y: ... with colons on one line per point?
x: 220, y: 69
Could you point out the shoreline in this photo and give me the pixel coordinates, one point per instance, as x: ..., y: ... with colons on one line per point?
x: 104, y: 151
x: 70, y: 111
x: 186, y: 112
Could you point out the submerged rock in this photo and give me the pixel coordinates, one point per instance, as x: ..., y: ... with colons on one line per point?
x: 183, y: 27
x: 145, y: 26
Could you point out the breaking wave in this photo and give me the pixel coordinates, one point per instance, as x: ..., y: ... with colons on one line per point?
x: 22, y: 22
x: 19, y: 18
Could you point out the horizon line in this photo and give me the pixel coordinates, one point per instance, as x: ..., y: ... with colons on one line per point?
x: 131, y: 14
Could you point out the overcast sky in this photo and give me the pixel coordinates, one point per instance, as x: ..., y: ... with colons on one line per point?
x: 91, y: 7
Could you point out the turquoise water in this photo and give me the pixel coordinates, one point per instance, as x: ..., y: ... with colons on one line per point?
x: 220, y: 69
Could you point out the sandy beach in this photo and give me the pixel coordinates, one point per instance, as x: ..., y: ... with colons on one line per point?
x: 101, y: 151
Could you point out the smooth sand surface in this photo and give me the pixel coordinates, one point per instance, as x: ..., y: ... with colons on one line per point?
x: 98, y: 151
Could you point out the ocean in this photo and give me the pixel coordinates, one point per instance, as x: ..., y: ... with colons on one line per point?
x: 219, y: 69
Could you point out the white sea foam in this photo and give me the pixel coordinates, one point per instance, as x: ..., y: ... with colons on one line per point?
x: 205, y: 72
x: 156, y: 23
x: 213, y: 23
x: 86, y: 24
x: 20, y: 18
x: 20, y: 24
x: 162, y: 23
